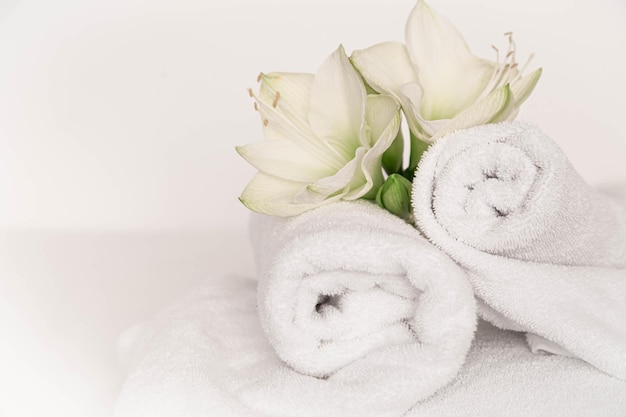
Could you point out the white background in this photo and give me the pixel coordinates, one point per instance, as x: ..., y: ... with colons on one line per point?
x: 118, y: 175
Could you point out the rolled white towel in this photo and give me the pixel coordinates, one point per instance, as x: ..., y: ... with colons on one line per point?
x: 544, y: 252
x: 359, y: 301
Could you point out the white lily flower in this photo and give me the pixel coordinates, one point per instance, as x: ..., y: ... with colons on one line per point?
x: 325, y: 139
x: 440, y: 84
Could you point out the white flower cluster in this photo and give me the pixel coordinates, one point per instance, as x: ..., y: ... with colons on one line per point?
x: 328, y: 139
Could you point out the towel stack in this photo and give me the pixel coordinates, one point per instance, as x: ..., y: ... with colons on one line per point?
x: 358, y: 314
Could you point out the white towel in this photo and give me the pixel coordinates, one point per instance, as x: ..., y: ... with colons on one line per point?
x: 208, y: 356
x: 544, y: 252
x: 502, y: 378
x: 354, y: 296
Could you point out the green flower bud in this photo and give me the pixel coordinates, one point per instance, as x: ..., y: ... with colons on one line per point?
x: 395, y: 196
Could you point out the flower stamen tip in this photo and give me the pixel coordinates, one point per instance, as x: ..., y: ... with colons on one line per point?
x: 259, y: 77
x: 265, y: 122
x: 276, y: 98
x: 250, y: 93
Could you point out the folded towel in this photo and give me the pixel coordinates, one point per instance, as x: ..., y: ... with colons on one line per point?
x: 502, y: 378
x: 358, y: 300
x: 545, y: 253
x: 207, y: 355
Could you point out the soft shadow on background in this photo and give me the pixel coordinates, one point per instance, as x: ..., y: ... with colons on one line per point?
x: 118, y: 175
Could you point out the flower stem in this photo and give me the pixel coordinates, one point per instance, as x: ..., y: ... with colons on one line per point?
x: 392, y: 158
x: 418, y: 147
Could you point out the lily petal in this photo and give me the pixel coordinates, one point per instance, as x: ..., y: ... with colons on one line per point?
x: 423, y: 129
x: 523, y: 87
x: 341, y: 182
x: 382, y: 110
x: 384, y: 123
x: 274, y: 196
x: 289, y: 93
x: 337, y: 105
x: 385, y: 67
x: 287, y: 160
x: 277, y: 126
x: 495, y: 107
x: 444, y: 61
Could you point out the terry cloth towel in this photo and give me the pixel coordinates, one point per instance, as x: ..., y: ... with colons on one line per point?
x: 361, y: 303
x: 545, y: 253
x: 207, y: 355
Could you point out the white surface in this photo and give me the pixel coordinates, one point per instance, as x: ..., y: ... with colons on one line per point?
x: 65, y: 298
x: 123, y: 115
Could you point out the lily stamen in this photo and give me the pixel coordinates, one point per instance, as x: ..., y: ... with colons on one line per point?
x: 276, y: 98
x: 504, y: 72
x: 530, y: 58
